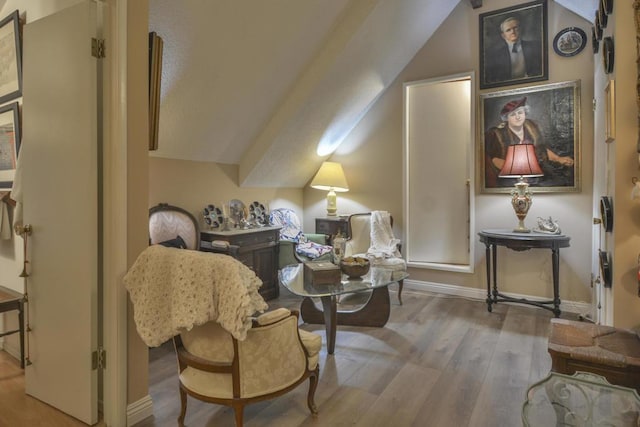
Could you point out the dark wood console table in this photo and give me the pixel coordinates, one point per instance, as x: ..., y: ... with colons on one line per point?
x: 257, y: 248
x: 522, y: 242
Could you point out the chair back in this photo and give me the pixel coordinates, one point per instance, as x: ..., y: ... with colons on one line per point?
x: 360, y: 230
x: 166, y: 222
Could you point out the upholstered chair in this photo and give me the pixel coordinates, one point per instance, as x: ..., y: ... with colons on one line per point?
x: 360, y: 244
x: 274, y: 358
x: 171, y: 225
x: 296, y: 246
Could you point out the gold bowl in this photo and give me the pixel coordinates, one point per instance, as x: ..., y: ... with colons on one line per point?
x: 354, y: 267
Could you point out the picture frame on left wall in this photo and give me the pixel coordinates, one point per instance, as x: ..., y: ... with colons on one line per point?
x: 10, y: 58
x: 9, y: 143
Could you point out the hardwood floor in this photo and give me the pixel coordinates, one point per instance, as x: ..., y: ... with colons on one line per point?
x: 440, y: 361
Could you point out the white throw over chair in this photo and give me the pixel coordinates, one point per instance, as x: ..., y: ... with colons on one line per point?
x: 372, y: 238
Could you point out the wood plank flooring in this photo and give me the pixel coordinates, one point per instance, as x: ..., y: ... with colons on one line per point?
x: 440, y: 361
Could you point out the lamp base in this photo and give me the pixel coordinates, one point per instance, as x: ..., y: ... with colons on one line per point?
x: 332, y: 206
x: 521, y: 201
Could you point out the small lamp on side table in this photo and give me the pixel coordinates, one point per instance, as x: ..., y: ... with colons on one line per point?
x: 330, y: 177
x: 521, y: 162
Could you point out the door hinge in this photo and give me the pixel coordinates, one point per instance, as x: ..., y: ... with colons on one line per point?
x: 99, y: 359
x: 97, y: 47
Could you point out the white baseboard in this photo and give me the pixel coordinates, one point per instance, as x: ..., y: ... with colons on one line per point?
x: 582, y: 308
x: 139, y: 410
x: 12, y: 350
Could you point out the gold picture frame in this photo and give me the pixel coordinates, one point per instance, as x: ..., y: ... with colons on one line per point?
x: 610, y: 117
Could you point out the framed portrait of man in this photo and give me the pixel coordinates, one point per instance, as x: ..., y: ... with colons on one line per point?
x: 547, y: 116
x: 513, y: 45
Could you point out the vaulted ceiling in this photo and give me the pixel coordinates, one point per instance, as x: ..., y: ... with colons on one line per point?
x: 275, y: 86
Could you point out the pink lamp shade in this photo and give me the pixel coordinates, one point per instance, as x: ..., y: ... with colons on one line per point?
x: 521, y: 161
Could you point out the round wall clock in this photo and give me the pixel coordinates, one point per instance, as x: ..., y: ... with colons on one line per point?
x: 608, y: 54
x: 570, y: 41
x: 606, y: 213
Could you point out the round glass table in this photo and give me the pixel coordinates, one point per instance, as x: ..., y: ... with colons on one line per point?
x: 374, y: 312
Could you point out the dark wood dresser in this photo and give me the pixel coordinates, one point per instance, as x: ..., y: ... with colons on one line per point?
x: 331, y: 226
x: 257, y: 248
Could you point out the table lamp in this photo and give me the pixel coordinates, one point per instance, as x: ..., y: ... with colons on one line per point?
x: 330, y: 177
x: 521, y: 162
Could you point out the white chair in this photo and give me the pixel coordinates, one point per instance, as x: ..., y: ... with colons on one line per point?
x: 360, y: 244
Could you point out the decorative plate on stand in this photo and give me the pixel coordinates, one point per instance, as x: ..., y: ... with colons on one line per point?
x: 213, y: 216
x: 258, y: 214
x: 237, y: 212
x: 605, y: 268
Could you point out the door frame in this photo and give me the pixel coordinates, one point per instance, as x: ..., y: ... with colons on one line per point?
x: 115, y: 213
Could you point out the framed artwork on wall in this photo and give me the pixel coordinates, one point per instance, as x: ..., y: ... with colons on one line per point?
x: 9, y: 143
x: 513, y: 45
x: 610, y: 116
x: 10, y: 58
x: 547, y: 116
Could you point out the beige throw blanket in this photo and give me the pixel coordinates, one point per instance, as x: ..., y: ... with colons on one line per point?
x: 176, y: 289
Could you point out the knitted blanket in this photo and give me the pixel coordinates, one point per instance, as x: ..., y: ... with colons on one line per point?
x: 175, y: 289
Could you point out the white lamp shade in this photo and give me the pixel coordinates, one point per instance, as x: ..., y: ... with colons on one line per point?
x: 330, y: 176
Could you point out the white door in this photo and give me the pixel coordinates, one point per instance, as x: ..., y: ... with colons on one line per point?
x: 60, y: 181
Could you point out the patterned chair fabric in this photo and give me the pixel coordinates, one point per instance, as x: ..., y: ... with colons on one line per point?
x: 275, y: 358
x: 167, y: 222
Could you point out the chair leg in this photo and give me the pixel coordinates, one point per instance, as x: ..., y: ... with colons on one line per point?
x: 313, y: 384
x: 183, y: 407
x: 238, y: 409
x: 400, y: 286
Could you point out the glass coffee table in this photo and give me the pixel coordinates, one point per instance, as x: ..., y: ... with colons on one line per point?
x: 374, y: 312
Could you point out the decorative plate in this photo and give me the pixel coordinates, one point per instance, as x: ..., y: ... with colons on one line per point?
x: 605, y: 268
x: 212, y: 216
x: 598, y: 27
x: 602, y: 15
x: 595, y: 44
x: 608, y: 54
x: 570, y: 41
x: 258, y: 213
x: 237, y: 211
x: 607, y: 6
x: 606, y: 213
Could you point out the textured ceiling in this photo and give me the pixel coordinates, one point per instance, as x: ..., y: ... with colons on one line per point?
x: 275, y: 86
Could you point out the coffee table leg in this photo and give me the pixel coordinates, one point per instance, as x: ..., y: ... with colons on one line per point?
x: 330, y: 311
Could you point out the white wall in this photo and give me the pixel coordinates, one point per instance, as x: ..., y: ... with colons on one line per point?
x: 372, y: 160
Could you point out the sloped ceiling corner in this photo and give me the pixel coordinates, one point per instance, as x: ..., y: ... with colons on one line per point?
x: 368, y: 49
x: 275, y: 86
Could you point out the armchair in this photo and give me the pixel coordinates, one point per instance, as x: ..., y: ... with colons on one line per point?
x: 173, y: 226
x: 296, y: 246
x: 372, y: 238
x: 274, y: 358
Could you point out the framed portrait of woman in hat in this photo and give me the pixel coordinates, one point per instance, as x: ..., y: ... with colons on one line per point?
x: 547, y: 116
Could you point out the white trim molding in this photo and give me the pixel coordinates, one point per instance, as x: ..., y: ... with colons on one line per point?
x: 481, y: 294
x: 139, y: 410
